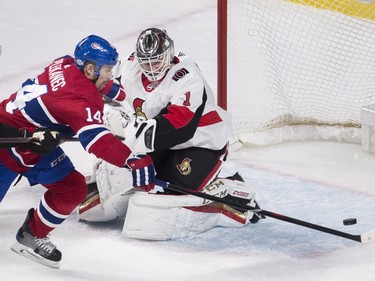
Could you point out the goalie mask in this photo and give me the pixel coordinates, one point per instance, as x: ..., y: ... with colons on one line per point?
x: 154, y: 53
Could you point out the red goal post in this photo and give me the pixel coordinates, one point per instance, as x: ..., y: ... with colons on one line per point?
x: 296, y: 69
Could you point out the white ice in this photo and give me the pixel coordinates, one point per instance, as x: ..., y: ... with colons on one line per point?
x: 319, y: 182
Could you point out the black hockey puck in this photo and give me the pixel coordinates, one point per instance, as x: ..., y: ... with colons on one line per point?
x: 349, y: 221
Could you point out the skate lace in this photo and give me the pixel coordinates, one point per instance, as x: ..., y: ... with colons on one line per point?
x: 45, y: 244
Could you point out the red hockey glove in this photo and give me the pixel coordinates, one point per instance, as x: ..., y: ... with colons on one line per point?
x: 143, y: 171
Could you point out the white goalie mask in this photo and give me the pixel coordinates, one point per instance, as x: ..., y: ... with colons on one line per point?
x: 154, y: 53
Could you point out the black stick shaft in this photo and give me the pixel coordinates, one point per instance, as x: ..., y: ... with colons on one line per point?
x: 20, y: 140
x: 274, y: 215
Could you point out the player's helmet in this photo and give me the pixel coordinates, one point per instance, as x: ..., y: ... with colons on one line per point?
x: 154, y: 53
x: 96, y: 50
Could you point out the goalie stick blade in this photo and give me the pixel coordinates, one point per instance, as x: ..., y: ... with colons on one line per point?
x: 30, y: 254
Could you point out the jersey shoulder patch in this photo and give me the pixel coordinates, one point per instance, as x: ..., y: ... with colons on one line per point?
x: 131, y: 56
x: 179, y: 74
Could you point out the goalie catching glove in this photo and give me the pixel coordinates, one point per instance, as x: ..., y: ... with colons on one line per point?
x: 143, y: 171
x: 138, y: 132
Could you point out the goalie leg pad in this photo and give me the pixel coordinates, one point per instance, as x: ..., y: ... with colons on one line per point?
x: 93, y: 210
x: 163, y: 217
x: 114, y: 187
x: 166, y: 217
x: 243, y: 194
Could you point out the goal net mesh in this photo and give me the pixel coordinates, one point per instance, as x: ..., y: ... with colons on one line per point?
x: 299, y: 68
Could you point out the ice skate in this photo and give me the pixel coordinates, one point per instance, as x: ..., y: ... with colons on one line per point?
x: 40, y: 250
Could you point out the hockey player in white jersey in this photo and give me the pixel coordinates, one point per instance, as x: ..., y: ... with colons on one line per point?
x: 175, y: 119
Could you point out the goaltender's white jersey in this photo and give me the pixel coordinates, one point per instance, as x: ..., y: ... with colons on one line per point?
x: 176, y: 98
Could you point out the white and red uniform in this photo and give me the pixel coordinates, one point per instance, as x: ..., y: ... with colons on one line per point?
x: 175, y: 99
x: 62, y: 99
x: 192, y: 132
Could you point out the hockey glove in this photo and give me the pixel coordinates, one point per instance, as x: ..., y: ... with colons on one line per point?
x: 44, y: 140
x: 137, y: 132
x: 140, y: 134
x: 143, y: 171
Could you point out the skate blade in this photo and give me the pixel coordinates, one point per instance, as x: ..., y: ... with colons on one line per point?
x: 30, y: 254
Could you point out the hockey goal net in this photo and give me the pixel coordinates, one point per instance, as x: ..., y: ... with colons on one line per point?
x: 296, y: 69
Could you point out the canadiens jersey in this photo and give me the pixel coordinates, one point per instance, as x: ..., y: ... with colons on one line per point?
x: 182, y: 103
x: 63, y: 99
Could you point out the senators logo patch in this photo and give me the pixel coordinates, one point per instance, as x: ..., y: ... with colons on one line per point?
x: 137, y: 105
x: 180, y: 74
x: 184, y: 168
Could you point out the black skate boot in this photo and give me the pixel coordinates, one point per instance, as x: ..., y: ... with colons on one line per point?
x: 41, y: 250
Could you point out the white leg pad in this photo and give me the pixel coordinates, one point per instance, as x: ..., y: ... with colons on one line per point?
x: 115, y: 186
x: 165, y: 217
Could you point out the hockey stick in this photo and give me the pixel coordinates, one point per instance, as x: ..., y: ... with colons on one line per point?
x: 362, y: 238
x: 20, y: 140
